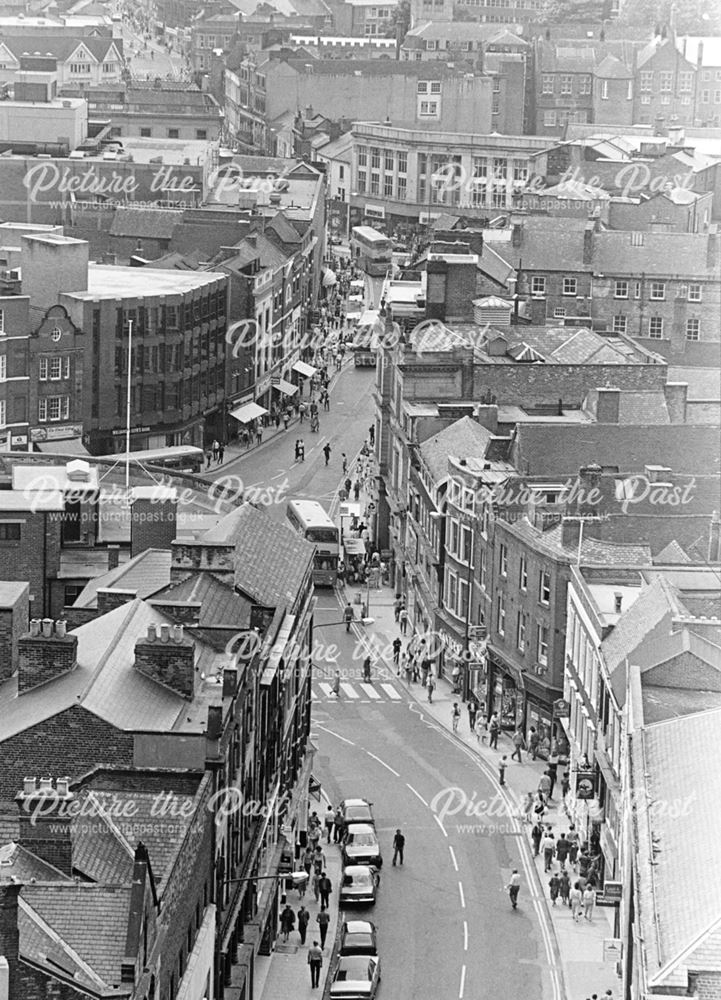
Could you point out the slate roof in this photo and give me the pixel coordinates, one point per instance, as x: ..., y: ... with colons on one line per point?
x: 710, y: 46
x: 144, y: 573
x: 271, y: 560
x: 491, y: 262
x: 611, y: 68
x: 151, y: 223
x: 91, y: 921
x: 457, y: 31
x: 220, y: 605
x: 566, y: 58
x: 662, y: 254
x: 547, y: 245
x: 60, y: 47
x: 19, y: 864
x: 703, y: 383
x: 285, y: 230
x: 465, y: 438
x: 672, y: 555
x: 430, y: 70
x: 677, y: 851
x: 339, y: 149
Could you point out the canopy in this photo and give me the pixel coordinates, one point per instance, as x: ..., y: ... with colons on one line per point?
x: 354, y: 547
x: 65, y: 446
x: 303, y: 369
x: 248, y: 412
x: 329, y: 278
x: 287, y: 388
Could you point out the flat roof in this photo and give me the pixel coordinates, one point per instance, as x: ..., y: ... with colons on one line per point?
x: 109, y: 281
x: 170, y: 151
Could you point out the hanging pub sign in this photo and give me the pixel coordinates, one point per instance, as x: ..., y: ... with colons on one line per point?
x: 586, y: 785
x: 561, y: 709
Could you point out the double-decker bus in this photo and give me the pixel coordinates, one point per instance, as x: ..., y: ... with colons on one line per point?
x: 371, y: 251
x: 312, y: 521
x: 178, y: 458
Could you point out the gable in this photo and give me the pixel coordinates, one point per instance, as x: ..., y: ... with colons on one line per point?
x: 7, y: 58
x: 81, y: 53
x: 685, y: 670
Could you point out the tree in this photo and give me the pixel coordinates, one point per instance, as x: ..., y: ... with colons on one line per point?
x: 400, y: 24
x: 691, y: 17
x: 588, y: 11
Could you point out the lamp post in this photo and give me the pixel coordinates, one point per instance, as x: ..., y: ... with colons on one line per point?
x: 127, y: 404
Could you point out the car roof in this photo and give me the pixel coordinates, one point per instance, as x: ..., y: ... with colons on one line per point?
x: 359, y: 927
x: 357, y: 869
x: 355, y: 961
x: 362, y: 828
x: 356, y: 802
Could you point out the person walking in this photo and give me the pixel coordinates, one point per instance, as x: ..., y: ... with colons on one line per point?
x: 481, y: 729
x: 315, y: 882
x: 527, y: 807
x: 533, y: 741
x: 303, y: 918
x: 221, y: 453
x: 575, y: 898
x: 344, y: 459
x: 408, y: 667
x: 336, y: 684
x: 399, y: 844
x: 518, y: 745
x: 326, y: 452
x: 554, y: 885
x: 287, y: 922
x: 259, y: 434
x: 589, y: 901
x: 301, y: 412
x: 208, y: 457
x: 367, y: 670
x: 338, y: 824
x: 548, y: 845
x: 319, y: 863
x: 308, y: 859
x: 472, y: 712
x: 455, y: 716
x: 323, y: 919
x: 397, y: 605
x: 215, y: 447
x: 502, y: 765
x: 431, y: 686
x: 328, y: 823
x: 397, y: 643
x: 562, y: 848
x: 544, y: 786
x: 514, y: 886
x: 315, y: 961
x: 326, y: 888
x: 425, y: 670
x: 573, y: 844
x: 348, y: 616
x: 493, y: 730
x: 536, y: 837
x: 564, y: 887
x: 403, y: 620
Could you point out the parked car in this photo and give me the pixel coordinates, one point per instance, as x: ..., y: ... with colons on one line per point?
x: 359, y: 884
x: 360, y: 845
x: 358, y: 937
x: 357, y: 811
x: 356, y: 977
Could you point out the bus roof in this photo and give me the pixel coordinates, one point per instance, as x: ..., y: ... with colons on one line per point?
x: 370, y: 234
x: 159, y: 454
x: 312, y: 513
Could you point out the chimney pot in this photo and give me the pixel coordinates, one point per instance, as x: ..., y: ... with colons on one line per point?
x: 178, y: 633
x: 618, y: 603
x: 164, y: 633
x: 45, y: 785
x: 30, y: 786
x: 152, y: 632
x: 62, y: 786
x: 47, y: 627
x: 714, y: 538
x: 35, y: 627
x: 61, y: 628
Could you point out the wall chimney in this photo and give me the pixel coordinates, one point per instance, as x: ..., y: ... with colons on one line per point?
x: 714, y: 538
x: 617, y: 603
x: 42, y: 658
x: 110, y: 598
x: 570, y: 533
x: 676, y: 394
x: 152, y: 518
x: 45, y: 823
x: 588, y: 242
x: 14, y: 610
x: 589, y: 481
x: 608, y: 406
x: 487, y: 416
x: 168, y: 663
x: 113, y: 556
x: 516, y: 234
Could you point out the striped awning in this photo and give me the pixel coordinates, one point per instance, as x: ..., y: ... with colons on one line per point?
x: 287, y: 388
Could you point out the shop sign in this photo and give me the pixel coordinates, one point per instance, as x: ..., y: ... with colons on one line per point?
x: 58, y: 432
x: 562, y: 709
x: 476, y: 632
x: 612, y: 950
x: 19, y: 439
x: 586, y: 785
x: 452, y: 645
x: 262, y: 385
x: 613, y: 891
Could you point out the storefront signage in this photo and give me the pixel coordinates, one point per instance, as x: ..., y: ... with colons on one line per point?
x: 133, y: 430
x: 613, y: 891
x: 262, y: 385
x: 612, y: 950
x: 561, y: 709
x: 586, y: 785
x: 56, y: 432
x: 477, y: 632
x: 19, y: 439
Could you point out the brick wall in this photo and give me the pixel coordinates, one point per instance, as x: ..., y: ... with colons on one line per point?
x: 110, y: 598
x: 46, y: 834
x: 170, y: 663
x: 75, y: 617
x: 69, y: 743
x: 35, y: 558
x: 708, y: 986
x: 547, y: 383
x: 42, y: 658
x: 13, y: 624
x: 152, y: 525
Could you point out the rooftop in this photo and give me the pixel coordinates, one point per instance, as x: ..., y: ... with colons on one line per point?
x: 271, y: 560
x: 144, y: 573
x: 465, y: 438
x: 108, y: 281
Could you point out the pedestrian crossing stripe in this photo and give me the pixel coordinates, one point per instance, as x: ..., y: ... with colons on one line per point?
x: 349, y: 690
x: 391, y: 692
x: 326, y: 689
x: 369, y: 690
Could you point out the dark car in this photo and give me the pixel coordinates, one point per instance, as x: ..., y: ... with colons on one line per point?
x: 356, y: 977
x: 359, y: 884
x: 360, y: 845
x: 358, y: 937
x: 357, y: 811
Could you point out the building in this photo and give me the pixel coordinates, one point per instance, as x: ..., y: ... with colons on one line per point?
x: 675, y: 79
x: 359, y: 18
x: 36, y: 117
x: 60, y: 24
x: 79, y: 61
x: 704, y: 54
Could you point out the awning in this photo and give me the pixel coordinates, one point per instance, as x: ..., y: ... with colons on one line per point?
x: 303, y: 369
x: 248, y: 412
x: 329, y: 278
x: 287, y: 388
x: 69, y: 446
x: 354, y: 547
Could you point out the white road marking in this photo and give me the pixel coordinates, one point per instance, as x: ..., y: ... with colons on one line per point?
x: 463, y: 898
x: 417, y: 794
x: 325, y: 688
x: 337, y: 735
x: 383, y: 763
x: 443, y: 830
x: 465, y: 935
x: 314, y: 696
x: 349, y: 690
x: 453, y: 857
x: 391, y: 692
x: 463, y: 983
x: 370, y: 691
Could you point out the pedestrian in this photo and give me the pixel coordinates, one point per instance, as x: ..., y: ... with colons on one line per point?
x: 315, y: 882
x: 326, y: 888
x: 513, y: 887
x: 552, y: 773
x: 397, y: 605
x: 493, y: 730
x: 367, y: 669
x: 403, y: 620
x: 399, y: 843
x: 328, y: 821
x: 548, y: 846
x: 215, y: 447
x: 326, y: 452
x: 518, y: 745
x: 533, y: 741
x: 338, y: 824
x: 372, y: 434
x: 286, y: 420
x: 425, y: 670
x: 539, y: 809
x: 455, y: 716
x: 431, y: 685
x: 323, y: 919
x: 208, y: 457
x: 319, y: 863
x: 527, y: 807
x: 572, y: 838
x: 576, y: 900
x: 408, y: 669
x: 589, y: 901
x: 564, y: 887
x: 544, y: 786
x: 315, y: 961
x: 502, y: 765
x: 356, y: 490
x: 554, y: 885
x: 259, y: 434
x: 302, y: 885
x: 397, y: 643
x: 481, y: 729
x: 562, y: 848
x: 303, y: 918
x: 472, y: 712
x: 301, y: 412
x: 536, y: 837
x: 308, y: 859
x: 348, y: 616
x: 336, y: 684
x: 221, y: 454
x: 344, y: 460
x: 287, y: 922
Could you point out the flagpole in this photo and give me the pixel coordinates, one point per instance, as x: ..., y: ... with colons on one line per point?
x: 127, y: 405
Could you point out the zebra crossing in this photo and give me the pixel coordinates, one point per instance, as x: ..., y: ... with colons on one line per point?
x: 357, y: 691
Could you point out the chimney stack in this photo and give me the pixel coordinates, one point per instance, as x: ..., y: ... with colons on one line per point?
x: 588, y: 242
x: 608, y: 406
x: 570, y: 533
x: 617, y: 603
x: 171, y: 663
x: 14, y: 610
x: 44, y: 654
x: 113, y: 556
x: 714, y: 538
x: 676, y: 394
x: 152, y: 518
x: 110, y: 598
x: 45, y: 821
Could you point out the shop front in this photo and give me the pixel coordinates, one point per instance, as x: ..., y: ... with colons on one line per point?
x: 540, y: 702
x: 506, y: 691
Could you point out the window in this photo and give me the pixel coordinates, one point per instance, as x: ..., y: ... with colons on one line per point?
x: 422, y: 86
x: 388, y: 162
x: 559, y: 312
x: 542, y: 644
x: 52, y: 408
x: 629, y: 90
x: 569, y: 286
x: 403, y: 163
x: 637, y: 290
x: 658, y: 290
x: 109, y: 67
x: 645, y: 98
x: 361, y: 181
x: 646, y: 80
x: 694, y: 292
x: 145, y: 133
x: 665, y: 81
x: 173, y: 133
x: 685, y: 83
x: 604, y: 90
x: 549, y: 118
x: 693, y: 329
x: 620, y: 323
x: 655, y: 327
x: 3, y: 412
x: 501, y: 614
x: 375, y: 158
x: 547, y: 83
x: 521, y: 631
x: 523, y: 573
x: 80, y: 69
x: 428, y: 109
x: 500, y: 168
x: 435, y: 86
x: 362, y: 156
x: 3, y: 367
x: 503, y: 559
x: 201, y: 133
x: 585, y: 85
x: 520, y: 171
x: 544, y: 587
x: 9, y: 532
x: 401, y: 188
x: 388, y: 186
x: 620, y: 289
x: 566, y: 84
x: 538, y: 284
x: 72, y: 593
x: 2, y: 321
x: 705, y: 96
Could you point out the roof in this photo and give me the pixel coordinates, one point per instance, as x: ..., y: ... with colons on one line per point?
x: 611, y: 68
x: 703, y: 383
x: 152, y: 223
x: 677, y: 849
x: 490, y: 262
x: 338, y: 149
x: 284, y: 230
x: 463, y: 438
x: 707, y: 46
x: 430, y: 70
x: 563, y: 237
x: 10, y: 591
x: 566, y: 58
x: 108, y: 281
x: 89, y: 923
x: 662, y: 254
x: 19, y: 864
x: 144, y: 573
x: 271, y: 560
x: 60, y: 47
x: 219, y: 603
x: 465, y: 31
x: 672, y: 555
x: 106, y: 683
